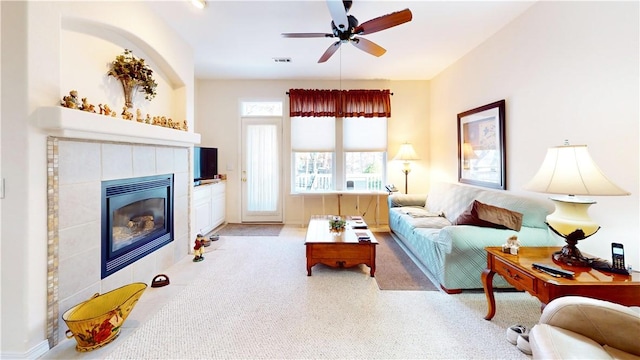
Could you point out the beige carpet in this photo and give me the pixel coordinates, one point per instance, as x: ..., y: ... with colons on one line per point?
x: 250, y: 230
x: 253, y: 300
x: 395, y: 270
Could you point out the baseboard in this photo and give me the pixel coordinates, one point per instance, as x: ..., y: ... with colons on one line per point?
x: 33, y: 353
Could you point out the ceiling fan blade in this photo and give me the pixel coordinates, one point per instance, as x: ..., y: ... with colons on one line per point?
x: 368, y: 46
x: 330, y: 51
x: 306, y: 35
x: 384, y: 22
x: 338, y: 14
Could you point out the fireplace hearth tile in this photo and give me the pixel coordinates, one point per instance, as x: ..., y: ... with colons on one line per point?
x: 78, y: 273
x: 144, y: 160
x: 117, y: 161
x: 79, y: 204
x: 76, y: 240
x: 77, y: 162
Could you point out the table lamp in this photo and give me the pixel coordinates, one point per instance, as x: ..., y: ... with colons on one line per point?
x: 406, y: 154
x: 568, y: 171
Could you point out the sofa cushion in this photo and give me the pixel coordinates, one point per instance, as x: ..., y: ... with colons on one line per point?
x: 480, y: 214
x: 452, y: 199
x: 417, y: 217
x: 420, y: 212
x: 434, y: 222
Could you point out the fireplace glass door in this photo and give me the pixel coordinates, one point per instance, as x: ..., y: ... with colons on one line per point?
x: 137, y: 219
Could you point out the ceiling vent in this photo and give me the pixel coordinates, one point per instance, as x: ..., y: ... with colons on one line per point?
x: 282, y: 60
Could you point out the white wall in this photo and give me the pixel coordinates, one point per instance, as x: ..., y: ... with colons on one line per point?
x: 218, y: 121
x: 568, y: 70
x: 31, y: 78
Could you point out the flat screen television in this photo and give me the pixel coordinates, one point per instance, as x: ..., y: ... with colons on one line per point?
x: 205, y: 163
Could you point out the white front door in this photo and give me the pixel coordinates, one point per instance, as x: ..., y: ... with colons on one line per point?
x: 261, y: 172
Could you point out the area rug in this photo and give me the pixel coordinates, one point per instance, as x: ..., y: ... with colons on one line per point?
x: 394, y: 268
x: 250, y: 230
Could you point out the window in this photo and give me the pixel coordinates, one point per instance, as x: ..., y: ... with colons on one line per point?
x: 261, y: 108
x: 338, y: 153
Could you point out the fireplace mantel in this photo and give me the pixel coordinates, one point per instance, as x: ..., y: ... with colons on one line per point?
x: 78, y: 124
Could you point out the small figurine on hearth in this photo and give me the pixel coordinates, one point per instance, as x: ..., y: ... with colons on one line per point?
x: 198, y: 249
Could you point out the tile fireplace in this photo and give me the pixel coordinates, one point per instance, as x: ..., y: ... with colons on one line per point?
x: 137, y: 219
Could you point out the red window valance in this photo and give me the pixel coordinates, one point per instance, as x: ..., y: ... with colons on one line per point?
x: 340, y: 103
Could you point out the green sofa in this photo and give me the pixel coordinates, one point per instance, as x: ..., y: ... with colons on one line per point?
x: 454, y: 254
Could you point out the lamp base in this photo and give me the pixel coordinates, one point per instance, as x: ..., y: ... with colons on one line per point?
x: 569, y: 254
x: 406, y: 180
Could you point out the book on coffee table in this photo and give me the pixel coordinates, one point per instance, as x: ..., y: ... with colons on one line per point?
x: 363, y: 236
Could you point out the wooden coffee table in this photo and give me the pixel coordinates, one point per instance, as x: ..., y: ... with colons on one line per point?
x: 338, y: 251
x: 517, y: 270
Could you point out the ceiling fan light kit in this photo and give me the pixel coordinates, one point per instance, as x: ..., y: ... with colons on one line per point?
x: 346, y: 28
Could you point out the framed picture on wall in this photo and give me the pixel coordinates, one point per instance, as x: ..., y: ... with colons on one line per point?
x: 481, y: 146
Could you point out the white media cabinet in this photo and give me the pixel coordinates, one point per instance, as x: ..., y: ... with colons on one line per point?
x: 209, y: 204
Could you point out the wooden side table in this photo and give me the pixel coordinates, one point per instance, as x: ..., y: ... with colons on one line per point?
x: 519, y: 272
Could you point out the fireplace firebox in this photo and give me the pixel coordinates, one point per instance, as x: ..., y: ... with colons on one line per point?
x: 137, y: 219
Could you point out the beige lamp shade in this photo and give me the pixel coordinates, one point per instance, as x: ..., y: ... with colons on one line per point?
x: 406, y: 153
x: 569, y: 170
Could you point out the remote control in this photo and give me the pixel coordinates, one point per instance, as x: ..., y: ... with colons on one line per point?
x: 553, y: 271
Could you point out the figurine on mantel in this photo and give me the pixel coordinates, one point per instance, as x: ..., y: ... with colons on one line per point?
x: 105, y: 110
x: 139, y: 117
x: 126, y: 114
x: 71, y: 101
x: 87, y: 107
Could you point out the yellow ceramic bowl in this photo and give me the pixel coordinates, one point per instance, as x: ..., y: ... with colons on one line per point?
x: 97, y: 321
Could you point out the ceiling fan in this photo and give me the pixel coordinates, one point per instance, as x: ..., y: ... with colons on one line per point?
x: 346, y: 28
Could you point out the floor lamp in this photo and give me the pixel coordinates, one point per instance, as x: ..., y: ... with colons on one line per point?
x: 406, y: 154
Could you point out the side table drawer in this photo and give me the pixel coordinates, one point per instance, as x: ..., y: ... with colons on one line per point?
x: 514, y: 276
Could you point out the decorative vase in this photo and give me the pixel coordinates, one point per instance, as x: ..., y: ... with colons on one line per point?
x: 127, y: 86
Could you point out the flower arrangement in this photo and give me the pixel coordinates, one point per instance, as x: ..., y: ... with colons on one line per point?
x: 337, y: 224
x: 134, y: 74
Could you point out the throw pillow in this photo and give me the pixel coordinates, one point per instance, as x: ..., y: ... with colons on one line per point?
x: 484, y: 215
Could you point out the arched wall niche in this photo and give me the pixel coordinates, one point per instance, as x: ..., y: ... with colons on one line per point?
x: 86, y: 49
